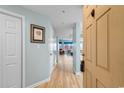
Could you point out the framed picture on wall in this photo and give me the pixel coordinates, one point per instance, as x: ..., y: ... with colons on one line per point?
x: 37, y: 34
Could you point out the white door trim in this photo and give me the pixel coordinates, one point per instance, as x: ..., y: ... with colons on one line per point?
x: 22, y: 45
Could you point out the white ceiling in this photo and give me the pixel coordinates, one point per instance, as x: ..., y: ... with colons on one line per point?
x: 62, y: 16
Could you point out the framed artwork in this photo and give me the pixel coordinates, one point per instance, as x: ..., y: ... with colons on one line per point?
x: 37, y: 34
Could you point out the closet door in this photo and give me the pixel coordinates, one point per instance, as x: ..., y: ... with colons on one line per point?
x: 10, y: 30
x: 0, y: 57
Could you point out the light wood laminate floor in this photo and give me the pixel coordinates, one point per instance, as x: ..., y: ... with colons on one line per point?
x: 63, y: 76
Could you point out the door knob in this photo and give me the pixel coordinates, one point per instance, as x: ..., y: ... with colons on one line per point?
x: 93, y: 13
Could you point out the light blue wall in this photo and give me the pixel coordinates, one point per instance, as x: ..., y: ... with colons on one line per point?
x: 37, y: 55
x: 76, y: 47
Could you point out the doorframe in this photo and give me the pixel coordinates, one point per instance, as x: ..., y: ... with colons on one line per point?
x: 6, y: 12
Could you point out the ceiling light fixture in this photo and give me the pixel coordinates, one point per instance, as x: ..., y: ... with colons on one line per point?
x: 63, y: 11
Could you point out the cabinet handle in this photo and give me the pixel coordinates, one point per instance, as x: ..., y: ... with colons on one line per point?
x: 93, y: 13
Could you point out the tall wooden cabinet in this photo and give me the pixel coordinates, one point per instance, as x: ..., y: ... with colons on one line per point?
x: 103, y: 46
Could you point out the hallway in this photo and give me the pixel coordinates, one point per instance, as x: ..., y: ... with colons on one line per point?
x: 32, y: 37
x: 62, y: 76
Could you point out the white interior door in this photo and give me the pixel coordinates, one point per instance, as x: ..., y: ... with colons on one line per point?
x: 0, y: 58
x: 51, y: 55
x: 10, y: 37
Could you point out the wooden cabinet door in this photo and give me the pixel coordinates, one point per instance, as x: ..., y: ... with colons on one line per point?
x: 103, y: 37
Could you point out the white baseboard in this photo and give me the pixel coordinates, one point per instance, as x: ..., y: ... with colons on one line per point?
x: 77, y: 73
x: 51, y: 70
x: 38, y: 83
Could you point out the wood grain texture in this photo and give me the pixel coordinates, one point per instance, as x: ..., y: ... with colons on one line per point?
x: 63, y: 76
x: 104, y: 65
